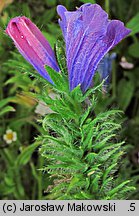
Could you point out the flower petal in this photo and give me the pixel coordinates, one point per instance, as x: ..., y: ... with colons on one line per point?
x: 61, y: 10
x: 32, y: 45
x: 105, y: 68
x: 89, y: 35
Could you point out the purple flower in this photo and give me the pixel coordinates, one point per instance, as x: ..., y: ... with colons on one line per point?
x: 32, y: 45
x: 89, y: 35
x: 105, y: 68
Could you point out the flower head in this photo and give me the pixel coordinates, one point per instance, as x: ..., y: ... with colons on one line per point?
x: 10, y: 136
x: 32, y: 45
x: 89, y: 35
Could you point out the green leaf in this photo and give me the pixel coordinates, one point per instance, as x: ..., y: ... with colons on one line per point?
x: 92, y: 90
x: 133, y: 24
x: 76, y: 93
x: 133, y: 50
x: 87, y: 134
x: 22, y: 83
x: 91, y: 157
x: 26, y: 154
x: 7, y: 109
x: 73, y: 183
x: 106, y: 153
x: 108, y: 170
x: 84, y: 116
x: 60, y: 82
x: 106, y: 184
x: 51, y: 3
x: 93, y: 170
x: 118, y: 188
x: 125, y: 93
x: 47, y: 17
x: 95, y: 183
x: 90, y: 1
x: 86, y: 196
x: 6, y: 100
x: 9, y: 181
x: 102, y: 143
x: 51, y: 122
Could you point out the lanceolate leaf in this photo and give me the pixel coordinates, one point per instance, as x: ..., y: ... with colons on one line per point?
x: 25, y: 156
x: 133, y: 24
x: 125, y: 93
x: 60, y: 82
x: 6, y: 110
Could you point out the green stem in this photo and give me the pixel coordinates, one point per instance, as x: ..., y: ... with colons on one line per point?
x: 107, y: 6
x: 40, y: 164
x: 20, y: 194
x: 7, y: 157
x: 35, y: 175
x: 33, y: 195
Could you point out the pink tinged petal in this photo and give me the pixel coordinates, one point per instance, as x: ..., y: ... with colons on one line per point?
x: 32, y: 45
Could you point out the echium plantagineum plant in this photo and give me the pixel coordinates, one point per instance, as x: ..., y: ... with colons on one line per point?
x: 82, y: 147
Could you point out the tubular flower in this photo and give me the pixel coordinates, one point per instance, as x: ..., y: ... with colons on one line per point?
x: 32, y: 45
x: 89, y: 35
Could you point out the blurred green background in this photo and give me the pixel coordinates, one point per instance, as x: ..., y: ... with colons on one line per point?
x: 20, y: 161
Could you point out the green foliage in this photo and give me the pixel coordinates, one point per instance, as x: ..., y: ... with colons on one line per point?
x: 125, y: 93
x: 133, y: 50
x: 7, y: 109
x: 25, y: 155
x: 133, y: 24
x: 4, y: 108
x: 83, y: 153
x: 17, y: 105
x: 86, y: 1
x: 12, y: 184
x: 82, y: 149
x: 60, y: 82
